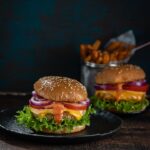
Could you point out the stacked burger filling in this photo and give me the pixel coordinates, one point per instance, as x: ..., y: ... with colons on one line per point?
x: 57, y: 110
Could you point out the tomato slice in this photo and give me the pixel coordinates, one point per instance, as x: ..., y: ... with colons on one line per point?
x: 75, y: 106
x: 142, y: 88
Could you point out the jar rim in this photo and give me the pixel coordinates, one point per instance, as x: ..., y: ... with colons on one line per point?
x: 94, y: 65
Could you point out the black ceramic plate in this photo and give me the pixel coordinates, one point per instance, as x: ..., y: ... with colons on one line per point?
x: 102, y: 124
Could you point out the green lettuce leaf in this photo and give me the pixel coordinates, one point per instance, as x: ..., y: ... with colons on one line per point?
x: 119, y: 106
x: 25, y: 117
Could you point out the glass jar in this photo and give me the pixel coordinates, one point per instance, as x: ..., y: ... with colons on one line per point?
x: 88, y: 73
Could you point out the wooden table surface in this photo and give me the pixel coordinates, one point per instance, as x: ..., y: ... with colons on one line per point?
x: 133, y: 135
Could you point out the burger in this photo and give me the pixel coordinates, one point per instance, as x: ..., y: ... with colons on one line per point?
x: 58, y: 105
x: 121, y: 89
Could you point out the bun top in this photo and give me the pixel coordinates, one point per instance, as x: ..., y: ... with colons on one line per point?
x: 60, y: 89
x: 119, y: 74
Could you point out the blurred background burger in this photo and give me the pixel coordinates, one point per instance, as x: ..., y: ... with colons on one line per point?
x: 121, y: 89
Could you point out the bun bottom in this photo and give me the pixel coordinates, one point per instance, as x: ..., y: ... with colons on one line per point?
x: 65, y: 131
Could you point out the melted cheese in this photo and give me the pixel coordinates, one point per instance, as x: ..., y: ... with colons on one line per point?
x: 76, y: 113
x: 42, y: 112
x: 122, y: 94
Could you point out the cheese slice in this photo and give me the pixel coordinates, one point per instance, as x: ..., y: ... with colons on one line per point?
x: 76, y: 113
x: 42, y: 112
x: 121, y: 94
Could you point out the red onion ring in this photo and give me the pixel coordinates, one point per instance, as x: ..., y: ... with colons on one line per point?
x: 37, y: 97
x: 115, y: 87
x: 35, y: 102
x: 34, y: 93
x: 40, y: 102
x: 87, y: 102
x: 136, y: 83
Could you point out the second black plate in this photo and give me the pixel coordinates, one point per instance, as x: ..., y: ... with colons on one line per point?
x: 102, y: 124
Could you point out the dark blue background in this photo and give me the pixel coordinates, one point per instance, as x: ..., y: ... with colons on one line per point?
x: 42, y: 37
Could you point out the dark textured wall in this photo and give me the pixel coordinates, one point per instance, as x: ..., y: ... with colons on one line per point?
x: 42, y: 37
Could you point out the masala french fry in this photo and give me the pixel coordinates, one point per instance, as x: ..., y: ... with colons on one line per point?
x: 94, y: 55
x: 99, y: 58
x: 123, y: 55
x: 112, y: 46
x: 113, y: 57
x: 88, y: 58
x: 97, y: 45
x: 90, y: 47
x: 83, y: 51
x: 106, y: 57
x: 115, y: 51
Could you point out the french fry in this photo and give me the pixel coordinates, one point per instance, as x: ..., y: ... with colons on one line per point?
x: 97, y: 45
x: 83, y: 51
x: 94, y: 55
x: 106, y: 57
x: 99, y: 58
x: 112, y: 46
x: 88, y: 58
x: 113, y: 57
x: 122, y: 55
x: 90, y: 47
x: 115, y: 51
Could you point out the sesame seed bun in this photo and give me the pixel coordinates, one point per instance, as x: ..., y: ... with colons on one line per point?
x: 60, y: 89
x: 65, y: 131
x: 119, y: 74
